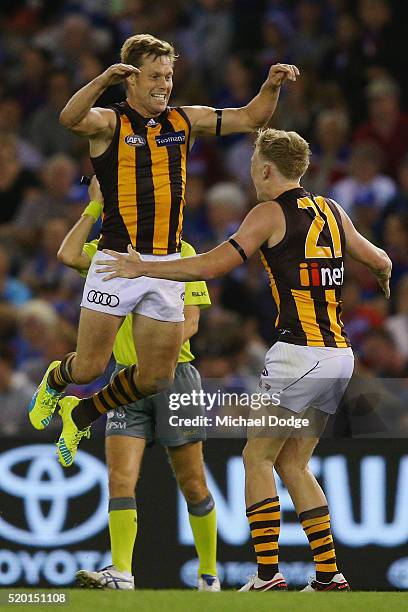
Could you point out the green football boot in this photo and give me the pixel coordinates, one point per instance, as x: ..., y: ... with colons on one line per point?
x: 44, y: 401
x: 71, y: 436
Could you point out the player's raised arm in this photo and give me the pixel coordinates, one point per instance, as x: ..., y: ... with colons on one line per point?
x: 207, y: 120
x: 364, y: 251
x: 257, y: 227
x: 78, y: 114
x: 71, y: 251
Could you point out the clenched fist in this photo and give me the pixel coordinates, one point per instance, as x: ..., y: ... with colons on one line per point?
x: 279, y: 73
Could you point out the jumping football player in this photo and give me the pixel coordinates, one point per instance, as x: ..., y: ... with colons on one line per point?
x: 303, y: 240
x: 138, y: 426
x: 138, y: 149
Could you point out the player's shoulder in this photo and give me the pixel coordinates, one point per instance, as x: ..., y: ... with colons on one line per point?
x: 270, y: 210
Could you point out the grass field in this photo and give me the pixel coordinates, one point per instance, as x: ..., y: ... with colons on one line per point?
x: 191, y: 601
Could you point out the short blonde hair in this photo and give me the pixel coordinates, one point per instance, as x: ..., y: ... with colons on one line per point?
x: 135, y: 47
x: 287, y: 150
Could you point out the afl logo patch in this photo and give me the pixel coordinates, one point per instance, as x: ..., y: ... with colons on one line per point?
x: 133, y: 140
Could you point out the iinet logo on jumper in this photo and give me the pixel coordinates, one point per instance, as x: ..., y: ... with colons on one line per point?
x: 314, y: 275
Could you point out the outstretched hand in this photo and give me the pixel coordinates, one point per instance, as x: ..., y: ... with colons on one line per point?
x: 279, y: 73
x: 383, y: 279
x: 122, y: 265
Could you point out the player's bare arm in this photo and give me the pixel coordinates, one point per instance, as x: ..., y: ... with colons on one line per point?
x: 261, y: 224
x: 191, y: 321
x: 364, y: 251
x: 247, y: 118
x: 71, y: 251
x: 80, y: 117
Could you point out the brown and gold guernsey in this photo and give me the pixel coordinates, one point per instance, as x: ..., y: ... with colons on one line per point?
x: 142, y: 176
x: 306, y: 271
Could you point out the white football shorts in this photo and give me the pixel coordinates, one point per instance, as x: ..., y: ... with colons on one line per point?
x: 152, y: 297
x: 306, y: 377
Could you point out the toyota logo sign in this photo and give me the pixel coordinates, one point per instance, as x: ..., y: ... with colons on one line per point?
x: 45, y: 481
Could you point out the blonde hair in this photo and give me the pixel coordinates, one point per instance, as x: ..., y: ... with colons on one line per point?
x: 287, y: 150
x: 135, y: 47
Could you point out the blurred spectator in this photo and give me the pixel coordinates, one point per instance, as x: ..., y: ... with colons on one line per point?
x: 226, y: 208
x: 330, y: 153
x: 399, y: 203
x: 61, y: 340
x: 276, y: 31
x: 36, y: 320
x: 55, y: 200
x: 344, y: 61
x: 195, y: 225
x: 397, y: 324
x: 211, y: 33
x: 382, y: 356
x: 8, y: 323
x: 71, y: 37
x: 32, y: 78
x: 382, y: 36
x: 311, y: 41
x: 358, y: 316
x: 395, y: 240
x: 10, y: 124
x: 44, y: 128
x: 387, y: 125
x: 239, y: 82
x: 238, y: 161
x: 44, y: 270
x: 12, y: 290
x: 365, y: 192
x: 16, y: 391
x: 297, y: 107
x: 16, y: 182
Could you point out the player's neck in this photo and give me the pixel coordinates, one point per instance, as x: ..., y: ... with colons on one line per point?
x: 278, y: 188
x: 140, y: 108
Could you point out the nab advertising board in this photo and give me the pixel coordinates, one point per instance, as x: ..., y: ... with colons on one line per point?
x: 54, y: 521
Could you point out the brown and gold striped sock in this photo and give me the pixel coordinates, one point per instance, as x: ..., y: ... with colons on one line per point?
x: 61, y: 376
x: 316, y: 524
x: 121, y: 391
x: 264, y: 523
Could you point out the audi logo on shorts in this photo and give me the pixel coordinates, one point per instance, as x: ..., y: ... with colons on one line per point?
x: 104, y: 299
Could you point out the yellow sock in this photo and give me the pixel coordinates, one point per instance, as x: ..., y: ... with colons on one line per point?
x: 123, y: 530
x: 204, y: 528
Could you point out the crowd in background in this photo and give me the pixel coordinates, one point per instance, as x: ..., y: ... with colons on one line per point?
x: 349, y: 103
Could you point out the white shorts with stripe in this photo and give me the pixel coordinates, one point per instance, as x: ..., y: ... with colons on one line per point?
x: 304, y: 376
x: 156, y: 298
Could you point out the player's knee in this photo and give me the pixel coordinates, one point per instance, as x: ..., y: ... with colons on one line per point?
x: 253, y: 456
x: 151, y: 383
x: 290, y: 471
x: 193, y: 488
x: 121, y: 483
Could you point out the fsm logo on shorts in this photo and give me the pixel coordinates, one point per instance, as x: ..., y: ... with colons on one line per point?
x: 134, y: 140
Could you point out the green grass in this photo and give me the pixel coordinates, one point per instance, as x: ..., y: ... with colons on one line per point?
x: 228, y: 601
